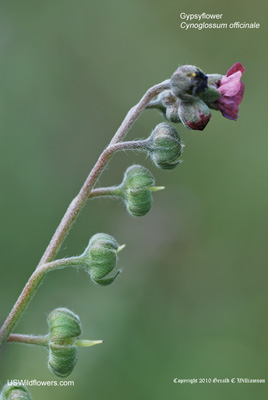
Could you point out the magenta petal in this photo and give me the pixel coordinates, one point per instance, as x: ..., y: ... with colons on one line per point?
x: 239, y: 96
x: 231, y: 90
x: 233, y: 115
x: 230, y: 86
x: 228, y: 108
x: 236, y: 67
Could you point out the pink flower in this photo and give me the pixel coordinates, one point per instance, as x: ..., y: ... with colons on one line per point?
x: 231, y: 90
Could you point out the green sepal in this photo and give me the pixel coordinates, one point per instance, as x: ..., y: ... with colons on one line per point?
x: 165, y: 146
x: 15, y: 392
x: 136, y: 190
x: 100, y: 257
x: 107, y: 281
x: 64, y: 329
x: 62, y: 359
x: 210, y: 95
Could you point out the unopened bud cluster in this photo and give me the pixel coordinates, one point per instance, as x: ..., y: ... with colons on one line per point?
x: 188, y: 84
x: 184, y: 102
x: 193, y: 93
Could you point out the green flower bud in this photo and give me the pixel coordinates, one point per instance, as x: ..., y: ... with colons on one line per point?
x: 187, y: 82
x: 166, y: 98
x: 64, y: 329
x: 136, y: 190
x: 100, y: 258
x: 15, y: 392
x: 165, y: 146
x: 172, y: 113
x: 165, y: 102
x: 194, y: 114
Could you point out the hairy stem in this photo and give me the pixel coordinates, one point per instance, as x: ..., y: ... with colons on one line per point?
x: 157, y: 104
x: 44, y: 340
x: 135, y: 111
x: 78, y: 202
x: 30, y: 289
x: 116, y: 191
x: 76, y: 206
x: 106, y: 191
x: 28, y: 339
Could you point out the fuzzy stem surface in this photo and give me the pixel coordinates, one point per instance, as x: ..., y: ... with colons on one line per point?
x: 29, y: 339
x: 75, y: 207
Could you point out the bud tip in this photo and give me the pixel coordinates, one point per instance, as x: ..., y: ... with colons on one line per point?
x: 156, y: 188
x: 87, y: 343
x: 120, y: 248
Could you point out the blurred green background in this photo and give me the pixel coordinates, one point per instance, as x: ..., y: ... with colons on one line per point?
x: 192, y: 299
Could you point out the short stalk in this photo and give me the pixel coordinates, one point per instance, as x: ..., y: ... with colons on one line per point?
x: 29, y: 339
x: 112, y: 191
x: 156, y: 105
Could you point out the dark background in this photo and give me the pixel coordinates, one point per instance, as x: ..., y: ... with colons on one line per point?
x: 192, y: 299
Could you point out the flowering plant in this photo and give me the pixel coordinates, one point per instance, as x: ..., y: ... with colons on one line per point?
x: 187, y: 97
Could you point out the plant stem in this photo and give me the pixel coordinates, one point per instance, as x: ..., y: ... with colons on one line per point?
x: 28, y: 339
x: 105, y: 191
x: 135, y: 111
x: 76, y: 206
x: 116, y: 191
x: 157, y: 105
x: 30, y: 289
x: 44, y: 340
x: 79, y: 201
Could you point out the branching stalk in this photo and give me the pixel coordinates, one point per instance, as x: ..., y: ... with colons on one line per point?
x: 74, y: 208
